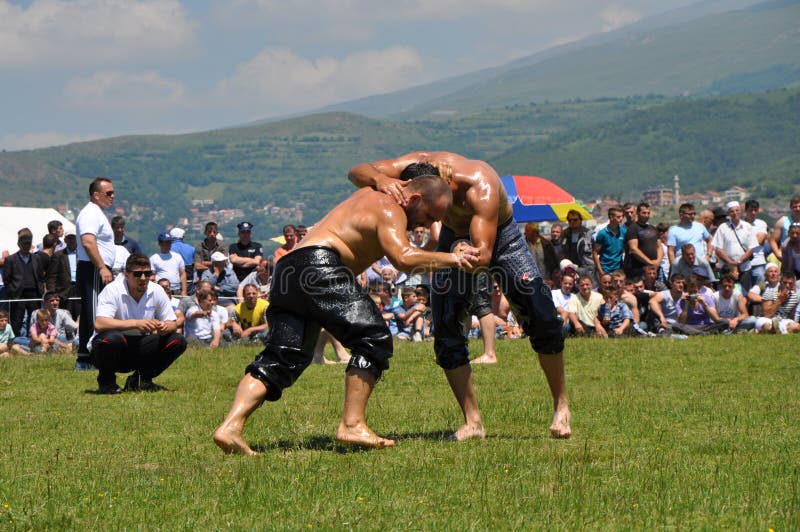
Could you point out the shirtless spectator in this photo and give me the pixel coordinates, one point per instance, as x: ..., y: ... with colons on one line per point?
x: 760, y: 254
x: 582, y: 309
x: 781, y: 230
x: 249, y: 320
x: 209, y: 246
x: 688, y: 231
x: 245, y: 254
x: 290, y: 236
x: 169, y: 265
x: 121, y: 239
x: 336, y: 250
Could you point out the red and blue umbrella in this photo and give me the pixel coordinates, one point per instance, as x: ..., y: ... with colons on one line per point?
x: 536, y: 199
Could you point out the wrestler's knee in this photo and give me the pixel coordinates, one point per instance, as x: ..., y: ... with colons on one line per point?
x: 548, y: 337
x: 450, y: 354
x: 278, y: 368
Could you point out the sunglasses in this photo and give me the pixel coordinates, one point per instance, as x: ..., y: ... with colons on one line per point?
x: 689, y: 213
x: 141, y: 273
x: 109, y: 193
x: 573, y: 219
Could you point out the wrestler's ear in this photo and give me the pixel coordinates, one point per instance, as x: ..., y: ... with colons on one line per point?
x: 413, y: 199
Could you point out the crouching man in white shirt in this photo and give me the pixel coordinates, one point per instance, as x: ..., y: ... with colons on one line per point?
x: 134, y: 330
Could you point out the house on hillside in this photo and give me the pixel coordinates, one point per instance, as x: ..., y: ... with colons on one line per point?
x: 735, y: 193
x: 659, y: 196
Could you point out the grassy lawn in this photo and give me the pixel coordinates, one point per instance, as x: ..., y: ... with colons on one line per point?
x: 667, y: 434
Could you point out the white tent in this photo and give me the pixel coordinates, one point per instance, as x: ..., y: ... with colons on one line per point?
x: 12, y: 219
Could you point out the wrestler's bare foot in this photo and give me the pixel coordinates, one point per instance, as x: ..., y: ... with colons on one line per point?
x: 560, y: 427
x: 467, y: 432
x: 485, y: 358
x: 361, y: 434
x: 232, y: 442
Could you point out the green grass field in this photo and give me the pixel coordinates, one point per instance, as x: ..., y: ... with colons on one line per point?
x: 667, y: 434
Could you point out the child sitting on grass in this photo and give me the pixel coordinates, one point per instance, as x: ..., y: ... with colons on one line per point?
x: 618, y: 316
x: 7, y: 345
x: 43, y: 334
x: 408, y: 316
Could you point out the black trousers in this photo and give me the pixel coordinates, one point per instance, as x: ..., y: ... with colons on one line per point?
x: 89, y: 284
x: 19, y: 308
x: 150, y: 355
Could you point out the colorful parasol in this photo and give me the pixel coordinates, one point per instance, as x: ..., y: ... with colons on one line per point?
x: 536, y: 199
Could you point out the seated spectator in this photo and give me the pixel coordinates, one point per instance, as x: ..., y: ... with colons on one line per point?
x: 387, y: 302
x: 686, y: 263
x: 408, y: 316
x: 731, y: 305
x: 66, y: 328
x: 188, y: 302
x: 7, y: 345
x: 168, y: 264
x: 202, y: 323
x: 780, y: 307
x: 790, y: 250
x: 424, y: 299
x: 616, y: 317
x: 260, y: 278
x: 765, y: 291
x: 651, y: 280
x: 249, y: 320
x: 174, y: 301
x: 134, y: 331
x: 663, y: 305
x: 222, y: 278
x: 561, y: 298
x: 696, y: 313
x: 583, y: 308
x: 43, y: 334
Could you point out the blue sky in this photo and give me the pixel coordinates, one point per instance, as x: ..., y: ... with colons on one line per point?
x: 74, y: 70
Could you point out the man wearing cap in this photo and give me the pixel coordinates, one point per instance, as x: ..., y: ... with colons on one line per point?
x: 222, y: 277
x: 135, y: 330
x: 245, y: 254
x: 24, y: 274
x: 187, y: 254
x: 290, y: 237
x: 734, y: 244
x: 688, y: 231
x: 96, y: 252
x: 169, y: 265
x: 209, y: 245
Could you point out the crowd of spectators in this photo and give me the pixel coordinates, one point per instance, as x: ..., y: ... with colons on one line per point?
x: 726, y: 273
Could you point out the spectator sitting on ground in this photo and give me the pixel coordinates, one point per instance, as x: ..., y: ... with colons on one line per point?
x: 696, y: 313
x: 222, y: 278
x: 66, y: 328
x: 174, y: 301
x: 209, y: 246
x: 651, y: 281
x: 583, y: 308
x: 663, y: 305
x: 249, y: 320
x: 562, y: 296
x: 409, y: 316
x: 424, y: 299
x: 765, y: 291
x: 606, y: 282
x: 780, y: 306
x: 188, y: 302
x: 260, y: 278
x: 187, y: 254
x: 43, y: 334
x: 169, y: 265
x: 121, y: 239
x: 790, y: 251
x: 624, y: 292
x: 732, y: 306
x: 686, y: 263
x: 617, y: 317
x: 202, y: 323
x: 7, y: 345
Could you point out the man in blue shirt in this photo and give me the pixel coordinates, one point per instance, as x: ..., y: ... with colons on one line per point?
x: 687, y: 231
x: 609, y: 244
x: 187, y: 253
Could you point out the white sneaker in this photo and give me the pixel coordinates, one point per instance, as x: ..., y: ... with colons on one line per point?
x: 417, y: 336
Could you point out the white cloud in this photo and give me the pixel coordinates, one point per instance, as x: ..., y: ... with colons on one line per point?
x: 287, y: 82
x: 29, y: 141
x: 88, y: 32
x: 616, y: 16
x: 124, y: 91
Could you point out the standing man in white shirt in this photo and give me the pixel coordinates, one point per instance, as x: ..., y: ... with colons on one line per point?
x: 96, y: 251
x: 135, y: 331
x: 734, y: 243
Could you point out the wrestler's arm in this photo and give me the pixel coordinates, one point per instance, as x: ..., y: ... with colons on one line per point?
x: 385, y: 175
x: 484, y: 200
